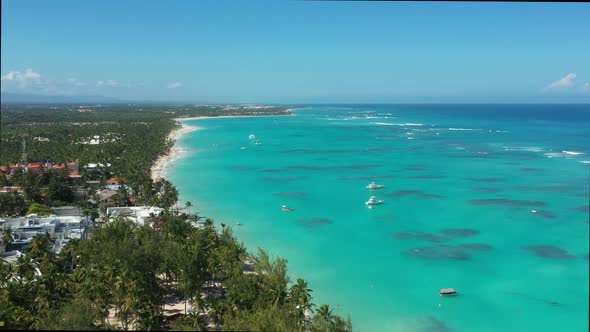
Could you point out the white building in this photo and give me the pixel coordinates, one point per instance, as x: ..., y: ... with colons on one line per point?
x: 137, y: 214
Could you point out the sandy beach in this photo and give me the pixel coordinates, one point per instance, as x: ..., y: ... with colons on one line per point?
x: 158, y: 170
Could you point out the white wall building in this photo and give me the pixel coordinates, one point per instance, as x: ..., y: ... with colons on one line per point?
x: 137, y: 214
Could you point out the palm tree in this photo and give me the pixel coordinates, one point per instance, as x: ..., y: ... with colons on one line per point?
x: 25, y: 268
x: 86, y: 213
x: 188, y: 206
x: 301, y: 298
x: 7, y: 237
x: 324, y: 317
x: 39, y: 244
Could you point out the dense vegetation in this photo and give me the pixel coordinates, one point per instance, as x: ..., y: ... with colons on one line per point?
x: 130, y: 137
x: 137, y: 132
x: 125, y: 272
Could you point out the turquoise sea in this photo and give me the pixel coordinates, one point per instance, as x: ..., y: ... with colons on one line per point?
x: 491, y: 200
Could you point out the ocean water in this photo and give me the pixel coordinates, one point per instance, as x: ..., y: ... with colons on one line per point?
x: 491, y: 200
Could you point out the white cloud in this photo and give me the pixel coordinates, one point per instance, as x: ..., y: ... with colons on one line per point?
x: 174, y: 85
x: 565, y: 82
x: 109, y: 83
x: 22, y: 79
x: 76, y: 82
x: 135, y: 85
x: 116, y: 84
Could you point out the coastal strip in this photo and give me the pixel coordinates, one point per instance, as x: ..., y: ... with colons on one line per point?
x: 236, y: 116
x: 158, y: 170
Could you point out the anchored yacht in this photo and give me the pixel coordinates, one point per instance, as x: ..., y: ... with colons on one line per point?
x: 285, y: 208
x: 372, y: 201
x: 373, y: 185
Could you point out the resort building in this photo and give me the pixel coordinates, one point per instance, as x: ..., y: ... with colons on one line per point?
x: 60, y: 229
x: 138, y: 214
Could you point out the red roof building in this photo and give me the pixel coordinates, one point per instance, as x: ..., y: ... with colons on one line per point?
x: 3, y: 169
x: 113, y: 181
x: 35, y: 165
x: 58, y: 167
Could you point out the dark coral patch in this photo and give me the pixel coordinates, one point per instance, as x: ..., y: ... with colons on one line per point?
x: 487, y: 190
x: 415, y: 168
x: 459, y: 232
x: 427, y: 177
x: 557, y: 188
x: 584, y: 208
x: 531, y: 169
x: 284, y: 179
x: 434, y: 325
x: 419, y: 236
x: 475, y: 247
x: 439, y: 253
x: 544, y: 214
x: 314, y: 222
x: 534, y: 298
x: 445, y: 235
x: 547, y: 251
x: 448, y: 252
x: 241, y: 168
x: 506, y: 202
x: 486, y: 179
x: 273, y: 170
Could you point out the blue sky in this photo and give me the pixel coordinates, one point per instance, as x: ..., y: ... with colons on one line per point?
x: 298, y: 51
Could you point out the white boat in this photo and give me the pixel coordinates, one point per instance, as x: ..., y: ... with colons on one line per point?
x: 243, y: 148
x: 239, y: 223
x: 258, y: 143
x: 372, y: 201
x: 373, y: 185
x: 286, y: 208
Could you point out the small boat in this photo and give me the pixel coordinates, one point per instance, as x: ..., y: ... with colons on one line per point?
x: 285, y: 208
x: 243, y: 148
x: 239, y: 223
x: 373, y: 185
x: 372, y: 201
x: 447, y: 292
x: 258, y: 143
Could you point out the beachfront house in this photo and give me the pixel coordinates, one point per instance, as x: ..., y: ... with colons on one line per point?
x: 138, y: 214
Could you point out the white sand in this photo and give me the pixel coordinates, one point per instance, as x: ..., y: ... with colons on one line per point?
x: 160, y: 166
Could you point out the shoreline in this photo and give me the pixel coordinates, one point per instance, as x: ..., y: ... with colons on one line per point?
x: 158, y: 170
